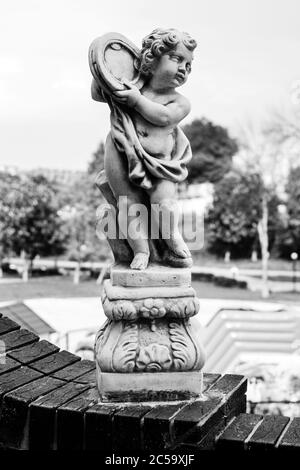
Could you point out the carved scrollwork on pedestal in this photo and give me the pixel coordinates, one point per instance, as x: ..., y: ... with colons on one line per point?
x: 124, y: 356
x: 141, y: 347
x: 183, y: 349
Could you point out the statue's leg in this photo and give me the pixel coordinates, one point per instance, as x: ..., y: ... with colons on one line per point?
x: 116, y: 169
x: 166, y: 214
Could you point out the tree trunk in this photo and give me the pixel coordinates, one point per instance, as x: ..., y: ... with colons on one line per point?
x: 262, y: 229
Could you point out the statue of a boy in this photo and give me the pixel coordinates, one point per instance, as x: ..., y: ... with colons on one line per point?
x: 146, y: 151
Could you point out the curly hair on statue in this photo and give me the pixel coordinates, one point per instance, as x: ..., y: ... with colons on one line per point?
x: 158, y: 43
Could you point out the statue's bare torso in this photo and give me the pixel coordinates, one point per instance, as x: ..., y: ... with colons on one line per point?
x: 158, y: 141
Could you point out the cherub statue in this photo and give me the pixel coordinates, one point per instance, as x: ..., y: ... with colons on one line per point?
x: 146, y: 151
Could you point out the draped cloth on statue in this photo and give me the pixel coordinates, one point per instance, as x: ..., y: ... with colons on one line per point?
x: 143, y: 168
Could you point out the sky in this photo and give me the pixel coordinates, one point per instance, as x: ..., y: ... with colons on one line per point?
x: 245, y: 65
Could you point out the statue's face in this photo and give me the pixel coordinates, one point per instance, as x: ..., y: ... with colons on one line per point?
x: 173, y: 68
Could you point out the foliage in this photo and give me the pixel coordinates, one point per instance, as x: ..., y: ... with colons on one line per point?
x: 29, y: 220
x: 79, y: 213
x: 288, y: 239
x: 212, y: 149
x: 232, y: 221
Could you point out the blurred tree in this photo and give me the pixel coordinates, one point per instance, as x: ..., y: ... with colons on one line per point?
x: 233, y: 219
x: 270, y: 151
x: 29, y: 219
x: 212, y: 149
x: 80, y: 205
x: 288, y: 239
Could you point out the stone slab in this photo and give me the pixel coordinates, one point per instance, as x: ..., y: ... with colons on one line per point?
x: 147, y: 386
x: 154, y: 276
x: 129, y: 293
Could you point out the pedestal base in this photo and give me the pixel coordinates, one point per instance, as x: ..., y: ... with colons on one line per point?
x: 150, y: 348
x: 149, y: 386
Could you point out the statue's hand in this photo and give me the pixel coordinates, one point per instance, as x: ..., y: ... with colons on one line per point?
x: 129, y: 97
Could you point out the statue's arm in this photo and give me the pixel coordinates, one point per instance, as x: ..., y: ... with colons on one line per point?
x: 163, y: 115
x: 156, y: 113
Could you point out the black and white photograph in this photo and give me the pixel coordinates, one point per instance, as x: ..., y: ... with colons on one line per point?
x: 150, y: 229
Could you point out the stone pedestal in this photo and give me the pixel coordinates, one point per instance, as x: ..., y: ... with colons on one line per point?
x: 149, y: 349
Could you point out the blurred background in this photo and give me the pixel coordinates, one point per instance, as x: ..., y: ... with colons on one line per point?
x: 244, y: 178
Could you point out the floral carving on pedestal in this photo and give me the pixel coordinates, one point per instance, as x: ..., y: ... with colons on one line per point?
x: 151, y: 308
x: 154, y: 358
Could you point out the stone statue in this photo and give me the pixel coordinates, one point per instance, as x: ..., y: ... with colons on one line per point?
x: 146, y: 152
x: 149, y: 300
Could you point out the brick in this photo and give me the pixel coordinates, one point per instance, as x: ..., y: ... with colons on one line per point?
x: 291, y: 437
x: 127, y: 428
x: 33, y: 352
x: 268, y: 433
x: 43, y: 415
x: 15, y: 410
x: 238, y: 408
x: 157, y: 423
x: 70, y: 420
x: 54, y: 362
x: 8, y: 365
x: 88, y: 378
x: 99, y: 427
x: 231, y: 388
x: 208, y: 441
x: 221, y: 398
x: 17, y: 338
x: 76, y: 370
x: 209, y: 380
x: 201, y: 413
x: 16, y: 378
x: 156, y: 426
x: 7, y: 325
x: 237, y: 432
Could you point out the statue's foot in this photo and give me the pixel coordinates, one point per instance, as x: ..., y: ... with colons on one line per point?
x: 178, y: 246
x: 140, y: 261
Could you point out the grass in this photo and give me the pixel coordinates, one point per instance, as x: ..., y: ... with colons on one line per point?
x: 63, y: 287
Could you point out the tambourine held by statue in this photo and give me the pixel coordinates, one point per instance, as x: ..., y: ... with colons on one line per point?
x: 113, y: 57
